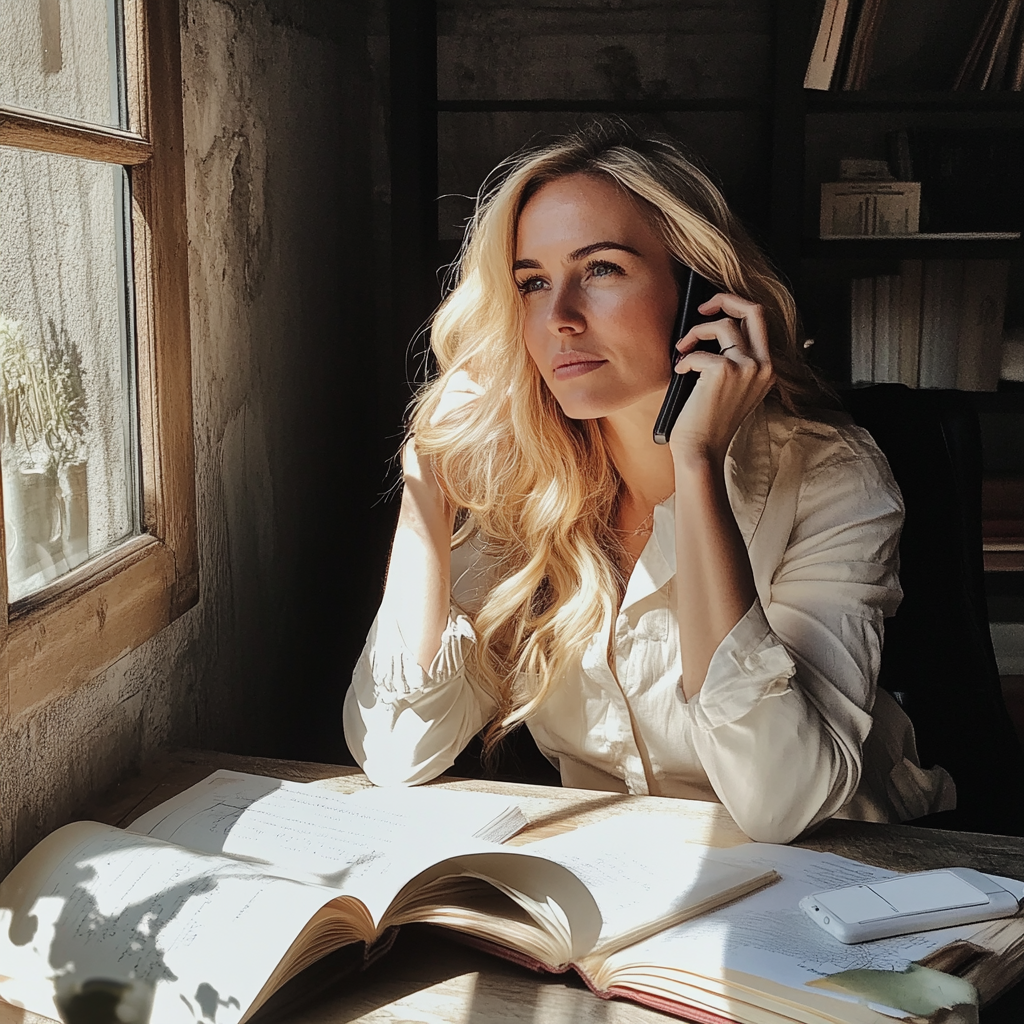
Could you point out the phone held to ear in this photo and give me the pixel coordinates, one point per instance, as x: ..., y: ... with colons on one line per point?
x: 693, y: 290
x: 913, y: 903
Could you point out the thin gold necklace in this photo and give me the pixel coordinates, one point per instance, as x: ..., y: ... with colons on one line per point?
x: 643, y: 527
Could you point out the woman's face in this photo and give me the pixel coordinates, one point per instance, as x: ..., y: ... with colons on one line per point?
x: 600, y: 297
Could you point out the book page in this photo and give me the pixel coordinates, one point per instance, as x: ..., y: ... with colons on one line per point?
x: 200, y: 934
x: 557, y: 901
x: 767, y: 935
x: 644, y: 874
x: 367, y: 845
x: 314, y: 835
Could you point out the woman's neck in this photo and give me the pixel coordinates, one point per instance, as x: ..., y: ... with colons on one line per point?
x: 646, y: 468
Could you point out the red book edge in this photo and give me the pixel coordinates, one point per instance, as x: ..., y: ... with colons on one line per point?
x: 684, y: 1011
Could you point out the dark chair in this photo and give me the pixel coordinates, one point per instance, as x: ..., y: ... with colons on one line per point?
x: 938, y: 659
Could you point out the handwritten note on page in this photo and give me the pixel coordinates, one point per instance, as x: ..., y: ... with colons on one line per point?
x: 367, y: 844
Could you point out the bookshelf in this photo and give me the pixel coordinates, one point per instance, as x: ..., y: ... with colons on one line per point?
x: 812, y: 130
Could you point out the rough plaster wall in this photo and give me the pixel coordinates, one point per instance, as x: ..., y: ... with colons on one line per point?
x: 277, y: 107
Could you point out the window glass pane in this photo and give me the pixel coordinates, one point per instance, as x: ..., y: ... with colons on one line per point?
x: 67, y: 437
x: 63, y: 57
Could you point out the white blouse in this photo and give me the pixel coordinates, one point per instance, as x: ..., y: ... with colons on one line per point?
x: 789, y: 727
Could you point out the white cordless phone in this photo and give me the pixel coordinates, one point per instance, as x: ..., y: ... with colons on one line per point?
x: 913, y: 903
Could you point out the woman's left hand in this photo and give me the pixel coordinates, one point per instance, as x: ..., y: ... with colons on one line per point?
x: 732, y: 382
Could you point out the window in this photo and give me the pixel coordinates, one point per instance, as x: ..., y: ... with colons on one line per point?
x: 98, y: 489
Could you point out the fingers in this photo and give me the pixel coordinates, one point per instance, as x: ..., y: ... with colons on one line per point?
x: 749, y: 314
x: 743, y: 359
x: 743, y: 330
x: 460, y: 382
x: 459, y: 391
x: 727, y: 332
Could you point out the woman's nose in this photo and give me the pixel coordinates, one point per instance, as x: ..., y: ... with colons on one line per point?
x: 565, y: 315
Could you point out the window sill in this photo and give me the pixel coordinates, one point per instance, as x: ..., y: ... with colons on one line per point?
x: 76, y: 628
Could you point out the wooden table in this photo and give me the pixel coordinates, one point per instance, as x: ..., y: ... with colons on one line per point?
x: 429, y: 980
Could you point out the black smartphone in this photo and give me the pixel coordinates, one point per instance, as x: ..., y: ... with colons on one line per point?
x: 693, y: 290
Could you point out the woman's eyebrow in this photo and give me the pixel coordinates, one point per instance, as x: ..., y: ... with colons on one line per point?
x: 587, y: 250
x: 579, y: 254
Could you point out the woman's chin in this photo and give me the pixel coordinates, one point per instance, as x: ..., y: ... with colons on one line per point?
x: 577, y: 409
x: 597, y: 407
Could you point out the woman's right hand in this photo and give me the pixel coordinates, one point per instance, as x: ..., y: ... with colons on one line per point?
x: 460, y: 390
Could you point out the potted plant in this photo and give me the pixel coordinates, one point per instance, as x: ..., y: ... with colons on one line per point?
x: 43, y: 446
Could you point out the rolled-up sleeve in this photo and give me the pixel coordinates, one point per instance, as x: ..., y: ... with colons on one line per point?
x: 404, y: 725
x: 780, y: 722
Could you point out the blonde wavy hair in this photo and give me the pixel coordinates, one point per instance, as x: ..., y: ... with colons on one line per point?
x: 541, y: 488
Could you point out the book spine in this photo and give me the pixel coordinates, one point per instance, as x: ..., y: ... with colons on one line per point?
x: 968, y: 74
x: 1015, y: 78
x: 940, y: 302
x: 862, y: 332
x: 981, y: 334
x: 910, y: 322
x: 882, y: 331
x: 891, y: 366
x: 1001, y: 49
x: 822, y: 63
x: 846, y: 42
x: 900, y: 162
x: 863, y: 44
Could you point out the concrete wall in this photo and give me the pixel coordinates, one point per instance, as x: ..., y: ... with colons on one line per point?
x: 279, y: 109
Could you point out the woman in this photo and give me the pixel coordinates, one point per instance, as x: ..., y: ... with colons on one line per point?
x: 702, y: 619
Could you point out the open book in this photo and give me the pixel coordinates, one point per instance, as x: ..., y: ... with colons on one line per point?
x: 206, y: 905
x: 763, y: 961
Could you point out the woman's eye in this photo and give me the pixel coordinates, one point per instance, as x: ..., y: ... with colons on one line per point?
x: 531, y: 284
x: 600, y: 268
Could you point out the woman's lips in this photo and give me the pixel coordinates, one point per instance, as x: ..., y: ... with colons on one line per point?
x: 577, y: 368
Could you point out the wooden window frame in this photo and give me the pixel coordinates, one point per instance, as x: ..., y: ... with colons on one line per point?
x: 60, y: 636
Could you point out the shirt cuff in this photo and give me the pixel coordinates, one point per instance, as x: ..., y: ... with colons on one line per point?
x: 398, y: 677
x: 750, y: 664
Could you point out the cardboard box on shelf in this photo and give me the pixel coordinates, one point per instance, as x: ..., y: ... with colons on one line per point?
x: 869, y: 208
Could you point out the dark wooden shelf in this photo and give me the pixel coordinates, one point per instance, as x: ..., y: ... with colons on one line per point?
x: 970, y: 102
x: 574, y: 106
x: 911, y: 248
x: 1009, y: 398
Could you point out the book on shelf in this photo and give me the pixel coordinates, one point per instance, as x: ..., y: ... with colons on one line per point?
x: 825, y: 51
x: 908, y: 359
x: 885, y: 363
x: 995, y: 51
x: 862, y: 330
x: 941, y: 295
x: 208, y: 904
x: 917, y: 45
x: 937, y: 324
x: 862, y: 44
x: 979, y: 347
x: 878, y: 329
